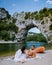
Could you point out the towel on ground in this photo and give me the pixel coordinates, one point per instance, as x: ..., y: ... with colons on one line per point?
x: 20, y: 56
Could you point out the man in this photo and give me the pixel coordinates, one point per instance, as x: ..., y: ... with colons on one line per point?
x: 32, y: 48
x: 40, y: 49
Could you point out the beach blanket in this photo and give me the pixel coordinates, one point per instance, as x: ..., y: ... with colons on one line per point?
x: 19, y: 56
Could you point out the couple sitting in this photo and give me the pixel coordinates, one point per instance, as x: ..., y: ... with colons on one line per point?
x: 32, y: 51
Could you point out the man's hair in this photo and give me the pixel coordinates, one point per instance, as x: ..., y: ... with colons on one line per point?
x: 33, y: 45
x: 23, y: 48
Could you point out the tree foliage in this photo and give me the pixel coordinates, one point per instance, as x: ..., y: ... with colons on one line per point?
x: 36, y: 37
x: 39, y: 15
x: 7, y: 28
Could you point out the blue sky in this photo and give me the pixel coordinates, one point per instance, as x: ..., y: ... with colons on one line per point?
x: 24, y: 5
x: 34, y: 30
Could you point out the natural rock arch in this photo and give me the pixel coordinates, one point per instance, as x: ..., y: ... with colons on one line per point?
x: 24, y: 27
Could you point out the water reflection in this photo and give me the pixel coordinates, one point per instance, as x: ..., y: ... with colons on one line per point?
x: 6, y: 47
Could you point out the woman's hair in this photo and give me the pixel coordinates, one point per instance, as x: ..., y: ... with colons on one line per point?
x: 23, y: 48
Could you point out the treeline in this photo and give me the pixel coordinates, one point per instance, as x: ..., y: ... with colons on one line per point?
x: 39, y: 15
x: 36, y: 37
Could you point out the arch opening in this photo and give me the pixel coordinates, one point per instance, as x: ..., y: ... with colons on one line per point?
x: 34, y: 37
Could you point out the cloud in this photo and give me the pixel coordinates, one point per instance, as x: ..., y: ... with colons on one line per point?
x: 49, y: 1
x: 13, y: 5
x: 36, y: 0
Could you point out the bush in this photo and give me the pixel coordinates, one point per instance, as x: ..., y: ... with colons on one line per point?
x: 4, y: 35
x: 51, y: 19
x: 13, y: 37
x: 42, y: 22
x: 50, y: 27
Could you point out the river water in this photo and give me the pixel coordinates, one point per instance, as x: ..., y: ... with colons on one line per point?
x: 36, y: 44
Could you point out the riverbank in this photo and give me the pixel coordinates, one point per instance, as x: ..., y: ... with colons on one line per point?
x: 48, y: 46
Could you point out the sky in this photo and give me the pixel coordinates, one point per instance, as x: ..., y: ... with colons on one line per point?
x: 34, y: 30
x: 24, y: 5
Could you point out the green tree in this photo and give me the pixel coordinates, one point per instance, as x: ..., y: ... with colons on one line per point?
x: 13, y: 37
x: 36, y: 37
x: 27, y: 15
x: 6, y: 26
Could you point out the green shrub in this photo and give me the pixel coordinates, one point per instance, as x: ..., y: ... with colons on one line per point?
x: 51, y: 19
x: 50, y: 27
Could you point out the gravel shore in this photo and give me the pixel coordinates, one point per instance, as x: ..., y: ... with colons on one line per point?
x: 46, y: 59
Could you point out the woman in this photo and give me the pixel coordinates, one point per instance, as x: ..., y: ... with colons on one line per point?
x: 29, y: 53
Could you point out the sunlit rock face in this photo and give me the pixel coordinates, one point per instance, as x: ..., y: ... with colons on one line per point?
x: 24, y: 24
x: 19, y: 16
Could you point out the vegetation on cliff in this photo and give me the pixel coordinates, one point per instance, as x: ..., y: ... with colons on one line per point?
x: 7, y: 26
